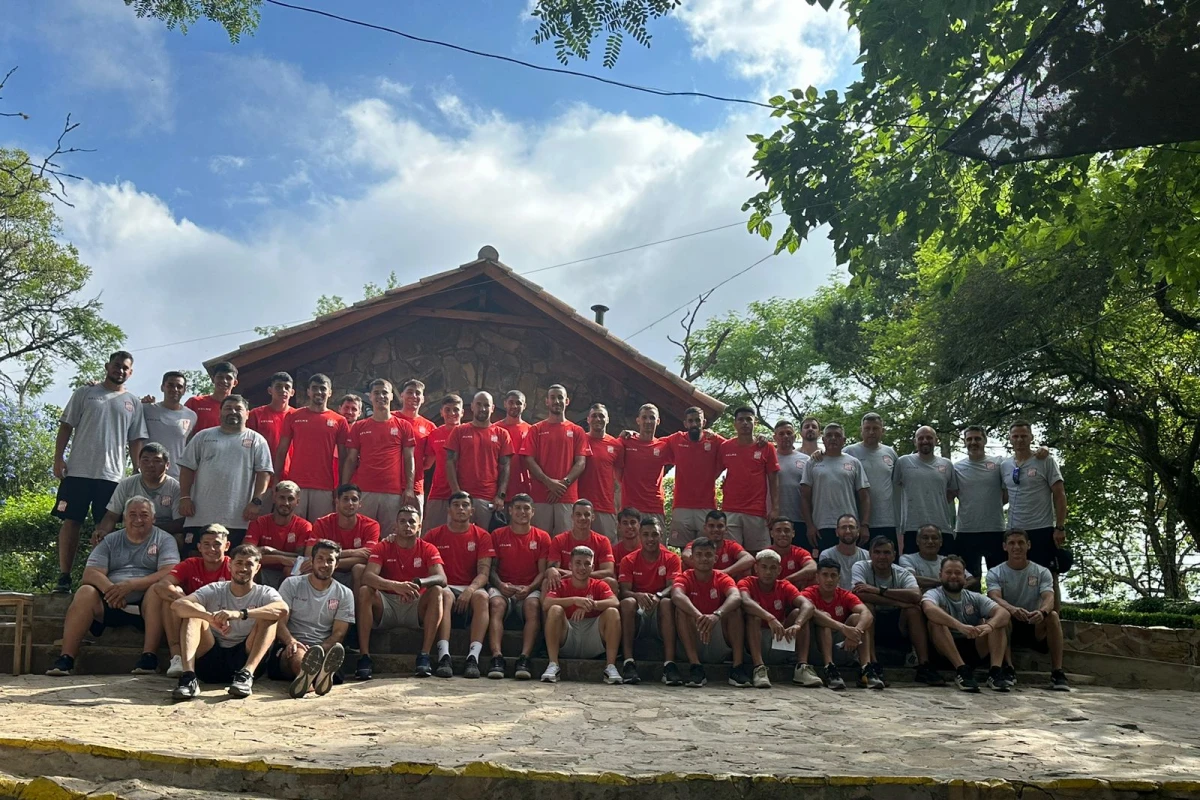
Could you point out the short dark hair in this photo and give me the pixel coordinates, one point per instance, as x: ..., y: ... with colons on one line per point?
x: 744, y: 410
x: 872, y: 416
x: 974, y: 429
x: 773, y: 521
x: 247, y: 550
x: 583, y: 501
x: 880, y: 540
x: 946, y: 560
x: 350, y: 396
x: 279, y: 376
x: 121, y: 355
x: 413, y: 382
x: 222, y: 368
x: 806, y: 419
x: 460, y: 495
x: 320, y: 378
x: 1020, y: 423
x: 173, y: 373
x: 829, y: 563
x: 452, y: 398
x: 236, y: 398
x: 648, y: 521
x: 380, y: 382
x: 844, y: 516
x: 694, y: 410
x: 629, y: 512
x: 702, y: 542
x: 348, y: 487
x: 521, y: 498
x: 716, y: 513
x: 326, y: 544
x: 783, y: 423
x: 1017, y: 532
x: 517, y: 393
x: 156, y: 449
x: 215, y: 530
x: 416, y: 512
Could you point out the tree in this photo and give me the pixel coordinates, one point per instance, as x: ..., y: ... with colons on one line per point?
x: 26, y: 449
x: 574, y: 24
x: 237, y: 17
x: 329, y: 303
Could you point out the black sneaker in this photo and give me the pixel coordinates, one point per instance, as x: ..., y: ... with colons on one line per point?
x: 739, y: 676
x: 242, y: 684
x: 496, y: 670
x: 188, y: 688
x: 629, y: 672
x: 63, y: 666
x: 424, y: 666
x: 523, y: 670
x: 1058, y: 681
x: 671, y: 674
x: 929, y: 676
x: 470, y: 669
x: 833, y: 678
x: 445, y: 669
x: 696, y: 676
x: 63, y: 584
x: 964, y: 679
x: 147, y: 664
x: 877, y: 668
x: 363, y: 671
x: 869, y: 678
x: 996, y: 680
x: 1010, y: 674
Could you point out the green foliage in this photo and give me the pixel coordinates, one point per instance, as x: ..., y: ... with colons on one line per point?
x: 26, y: 449
x: 27, y: 538
x: 574, y: 24
x: 237, y: 17
x: 198, y: 381
x: 329, y: 303
x: 1120, y: 617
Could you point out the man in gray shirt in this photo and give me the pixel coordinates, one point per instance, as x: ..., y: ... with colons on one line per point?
x: 926, y: 563
x: 151, y: 481
x: 170, y: 422
x: 834, y: 485
x: 877, y: 460
x: 846, y: 552
x: 966, y: 625
x: 1037, y: 501
x: 119, y: 572
x: 791, y: 471
x: 224, y: 475
x: 926, y: 486
x: 979, y: 527
x: 308, y: 648
x: 97, y: 422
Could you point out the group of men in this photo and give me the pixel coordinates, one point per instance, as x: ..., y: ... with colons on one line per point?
x: 549, y: 527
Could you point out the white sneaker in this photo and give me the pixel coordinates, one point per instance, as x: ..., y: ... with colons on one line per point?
x: 176, y: 668
x: 611, y: 675
x: 806, y: 675
x: 551, y: 673
x: 762, y: 677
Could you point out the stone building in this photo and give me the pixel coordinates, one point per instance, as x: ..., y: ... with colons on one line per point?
x: 480, y: 326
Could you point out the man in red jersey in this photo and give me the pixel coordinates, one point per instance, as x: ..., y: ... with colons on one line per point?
x: 646, y: 577
x: 478, y: 458
x: 581, y: 533
x: 518, y: 475
x: 350, y: 406
x: 582, y: 620
x: 629, y: 539
x: 646, y: 459
x: 315, y: 436
x: 601, y: 478
x: 355, y: 532
x: 555, y: 451
x: 412, y: 395
x: 380, y: 458
x: 437, y: 503
x: 696, y: 452
x: 775, y: 612
x: 281, y: 535
x: 751, y: 476
x: 268, y: 420
x: 186, y: 577
x: 208, y: 406
x: 708, y: 617
x: 796, y: 564
x: 840, y: 617
x: 467, y: 551
x: 522, y: 556
x: 402, y: 588
x: 732, y: 559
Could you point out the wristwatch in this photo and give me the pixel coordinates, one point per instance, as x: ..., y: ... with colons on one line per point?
x: 883, y: 591
x: 1060, y: 528
x: 245, y: 613
x: 256, y: 501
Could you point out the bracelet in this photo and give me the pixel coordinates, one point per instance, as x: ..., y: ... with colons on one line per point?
x: 185, y: 497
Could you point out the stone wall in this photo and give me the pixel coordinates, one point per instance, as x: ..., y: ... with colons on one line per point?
x: 1175, y: 645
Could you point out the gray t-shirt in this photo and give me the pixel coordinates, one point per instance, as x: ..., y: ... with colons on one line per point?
x: 165, y: 498
x: 878, y: 465
x: 124, y: 560
x: 1030, y: 502
x: 220, y: 597
x: 225, y: 466
x: 847, y: 563
x: 900, y: 578
x: 170, y: 429
x: 835, y: 481
x: 920, y: 567
x: 980, y: 495
x: 922, y: 487
x: 313, y: 613
x: 1022, y: 588
x: 103, y: 422
x: 791, y: 471
x: 969, y: 608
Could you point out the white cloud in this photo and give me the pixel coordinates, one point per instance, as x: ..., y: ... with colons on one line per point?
x: 393, y: 89
x: 226, y: 163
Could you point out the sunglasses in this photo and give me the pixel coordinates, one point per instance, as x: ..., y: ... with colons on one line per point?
x: 1016, y: 476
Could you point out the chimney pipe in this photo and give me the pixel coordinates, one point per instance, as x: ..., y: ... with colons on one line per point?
x: 599, y: 310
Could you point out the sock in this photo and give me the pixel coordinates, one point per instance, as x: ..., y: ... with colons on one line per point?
x: 667, y: 663
x: 443, y: 648
x: 186, y: 678
x: 628, y: 661
x: 475, y: 651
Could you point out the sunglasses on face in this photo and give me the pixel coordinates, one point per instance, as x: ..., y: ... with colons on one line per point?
x: 1016, y: 476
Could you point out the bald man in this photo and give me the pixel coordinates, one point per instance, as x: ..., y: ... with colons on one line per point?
x: 925, y: 486
x: 478, y: 458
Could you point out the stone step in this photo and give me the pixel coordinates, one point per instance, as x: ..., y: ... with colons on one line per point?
x: 56, y: 786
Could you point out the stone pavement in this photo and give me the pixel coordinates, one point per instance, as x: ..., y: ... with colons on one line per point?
x: 1030, y: 734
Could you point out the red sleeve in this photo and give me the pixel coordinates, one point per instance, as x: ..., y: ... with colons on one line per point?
x: 802, y: 555
x: 506, y: 445
x: 253, y: 533
x: 352, y: 440
x: 288, y: 427
x: 772, y: 460
x: 317, y: 532
x: 743, y: 585
x: 304, y: 527
x: 191, y: 402
x: 674, y: 566
x: 343, y: 430
x: 543, y: 545
x: 789, y: 591
x: 619, y: 461
x: 453, y: 439
x: 669, y: 447
x: 370, y: 532
x: 605, y: 556
x: 602, y: 589
x: 723, y: 582
x: 181, y: 570
x: 735, y: 549
x: 852, y: 599
x: 527, y: 443
x: 486, y: 547
x: 408, y: 438
x: 376, y: 556
x: 582, y: 446
x: 681, y: 580
x: 433, y: 555
x: 625, y: 572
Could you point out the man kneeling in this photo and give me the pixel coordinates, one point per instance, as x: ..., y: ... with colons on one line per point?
x: 966, y: 625
x: 582, y: 620
x: 227, y: 628
x: 308, y: 648
x: 775, y: 611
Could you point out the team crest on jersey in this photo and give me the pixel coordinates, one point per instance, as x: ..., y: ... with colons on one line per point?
x: 417, y: 561
x: 838, y: 611
x: 247, y: 442
x: 758, y: 454
x: 291, y: 538
x: 495, y: 438
x: 969, y: 609
x: 887, y: 461
x: 991, y: 465
x: 394, y: 431
x: 848, y: 467
x: 334, y: 603
x: 185, y: 424
x: 657, y: 452
x: 611, y: 449
x: 1032, y: 472
x: 791, y: 565
x: 358, y: 541
x: 662, y: 570
x: 331, y: 423
x: 152, y: 550
x: 471, y: 546
x: 570, y: 434
x: 941, y: 468
x: 800, y: 461
x: 1032, y: 580
x: 533, y: 545
x: 163, y: 500
x: 713, y: 593
x: 707, y: 446
x: 778, y: 604
x: 129, y: 405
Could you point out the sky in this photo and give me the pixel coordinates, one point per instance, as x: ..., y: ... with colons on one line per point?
x: 231, y: 185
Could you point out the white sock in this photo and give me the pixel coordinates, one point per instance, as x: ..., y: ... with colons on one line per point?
x: 443, y: 648
x: 476, y: 649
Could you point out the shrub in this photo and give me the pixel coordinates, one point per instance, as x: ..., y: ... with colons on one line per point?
x: 1117, y: 616
x: 28, y: 540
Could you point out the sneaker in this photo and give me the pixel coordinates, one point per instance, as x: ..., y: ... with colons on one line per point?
x: 147, y: 664
x: 363, y: 671
x: 470, y: 669
x: 877, y: 668
x: 671, y: 674
x: 1010, y: 674
x: 869, y: 678
x: 806, y: 675
x: 523, y: 670
x: 833, y: 678
x: 175, y: 669
x: 696, y: 676
x: 186, y: 690
x: 445, y: 669
x: 424, y: 668
x: 496, y: 670
x: 762, y: 677
x: 629, y: 673
x: 964, y: 679
x: 929, y: 676
x: 739, y: 677
x: 63, y: 584
x: 612, y: 675
x: 1058, y: 681
x: 310, y: 665
x: 242, y: 684
x: 331, y: 670
x: 63, y: 666
x: 551, y: 673
x: 996, y: 680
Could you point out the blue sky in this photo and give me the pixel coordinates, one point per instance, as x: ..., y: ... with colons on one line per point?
x: 231, y: 185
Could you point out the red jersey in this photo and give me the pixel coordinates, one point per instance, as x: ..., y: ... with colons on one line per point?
x: 291, y: 537
x: 596, y: 589
x: 365, y: 532
x: 793, y: 560
x: 518, y: 475
x: 517, y: 555
x: 315, y: 438
x: 728, y: 551
x: 598, y: 481
x: 840, y: 607
x: 623, y: 548
x: 404, y: 564
x: 208, y: 411
x: 746, y: 470
x: 478, y: 453
x: 649, y: 576
x: 562, y: 545
x: 778, y: 601
x: 380, y: 447
x: 706, y: 596
x: 192, y: 574
x: 696, y: 469
x: 555, y: 446
x: 645, y: 463
x: 435, y: 445
x: 461, y: 552
x: 269, y: 422
x: 421, y: 429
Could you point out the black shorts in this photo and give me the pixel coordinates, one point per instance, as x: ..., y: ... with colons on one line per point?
x: 826, y: 538
x: 1023, y: 635
x: 275, y: 663
x: 887, y: 628
x: 76, y: 496
x: 116, y: 618
x: 800, y: 534
x: 191, y: 538
x: 1041, y: 547
x: 977, y: 549
x: 966, y: 651
x: 219, y: 663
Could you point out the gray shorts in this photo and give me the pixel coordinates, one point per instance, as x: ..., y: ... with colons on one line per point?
x: 436, y: 513
x: 398, y: 612
x: 553, y: 518
x: 382, y: 508
x: 606, y: 524
x: 482, y: 511
x: 686, y: 525
x: 749, y: 531
x: 515, y: 608
x: 770, y: 654
x: 716, y: 651
x: 314, y: 504
x: 583, y: 639
x: 648, y: 625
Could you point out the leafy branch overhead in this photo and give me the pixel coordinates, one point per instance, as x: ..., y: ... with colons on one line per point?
x: 572, y: 25
x: 237, y: 17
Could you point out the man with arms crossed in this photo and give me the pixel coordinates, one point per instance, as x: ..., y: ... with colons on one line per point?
x: 355, y: 533
x: 1037, y: 501
x: 966, y: 625
x: 926, y: 564
x: 600, y: 481
x: 925, y: 485
x: 847, y: 552
x: 518, y: 475
x: 646, y: 577
x: 840, y: 618
x: 834, y: 486
x: 207, y: 407
x: 308, y: 649
x: 151, y: 481
x: 774, y: 610
x: 751, y: 478
x: 708, y: 617
x: 798, y: 567
x: 437, y: 504
x: 412, y: 395
x: 556, y: 452
x: 281, y: 536
x: 187, y: 576
x: 581, y: 534
x: 522, y: 556
x: 732, y: 558
x: 878, y: 460
x: 478, y: 457
x: 380, y: 459
x: 697, y: 452
x: 169, y: 423
x: 313, y: 437
x: 582, y: 620
x: 646, y: 459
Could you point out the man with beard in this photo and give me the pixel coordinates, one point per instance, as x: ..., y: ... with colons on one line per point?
x: 846, y: 552
x: 556, y: 451
x: 646, y: 577
x: 732, y: 559
x: 207, y: 407
x: 314, y: 438
x: 170, y: 422
x: 646, y: 459
x: 151, y: 481
x: 518, y: 475
x: 478, y: 457
x: 380, y: 459
x: 925, y: 486
x: 308, y: 646
x: 708, y: 617
x: 878, y: 460
x: 834, y: 486
x: 696, y: 451
x: 522, y: 558
x: 600, y: 481
x: 751, y: 482
x: 775, y: 611
x: 965, y: 625
x: 437, y: 504
x: 350, y: 407
x: 412, y: 395
x: 280, y: 535
x: 355, y: 533
x: 187, y: 576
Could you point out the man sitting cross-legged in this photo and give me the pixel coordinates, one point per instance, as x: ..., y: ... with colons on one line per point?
x: 840, y: 617
x: 522, y: 554
x: 966, y: 625
x: 708, y: 616
x: 797, y: 566
x: 227, y: 628
x: 582, y: 620
x: 210, y: 566
x: 732, y: 558
x: 646, y: 577
x: 308, y: 646
x: 402, y: 587
x: 926, y: 563
x: 775, y: 611
x: 119, y: 572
